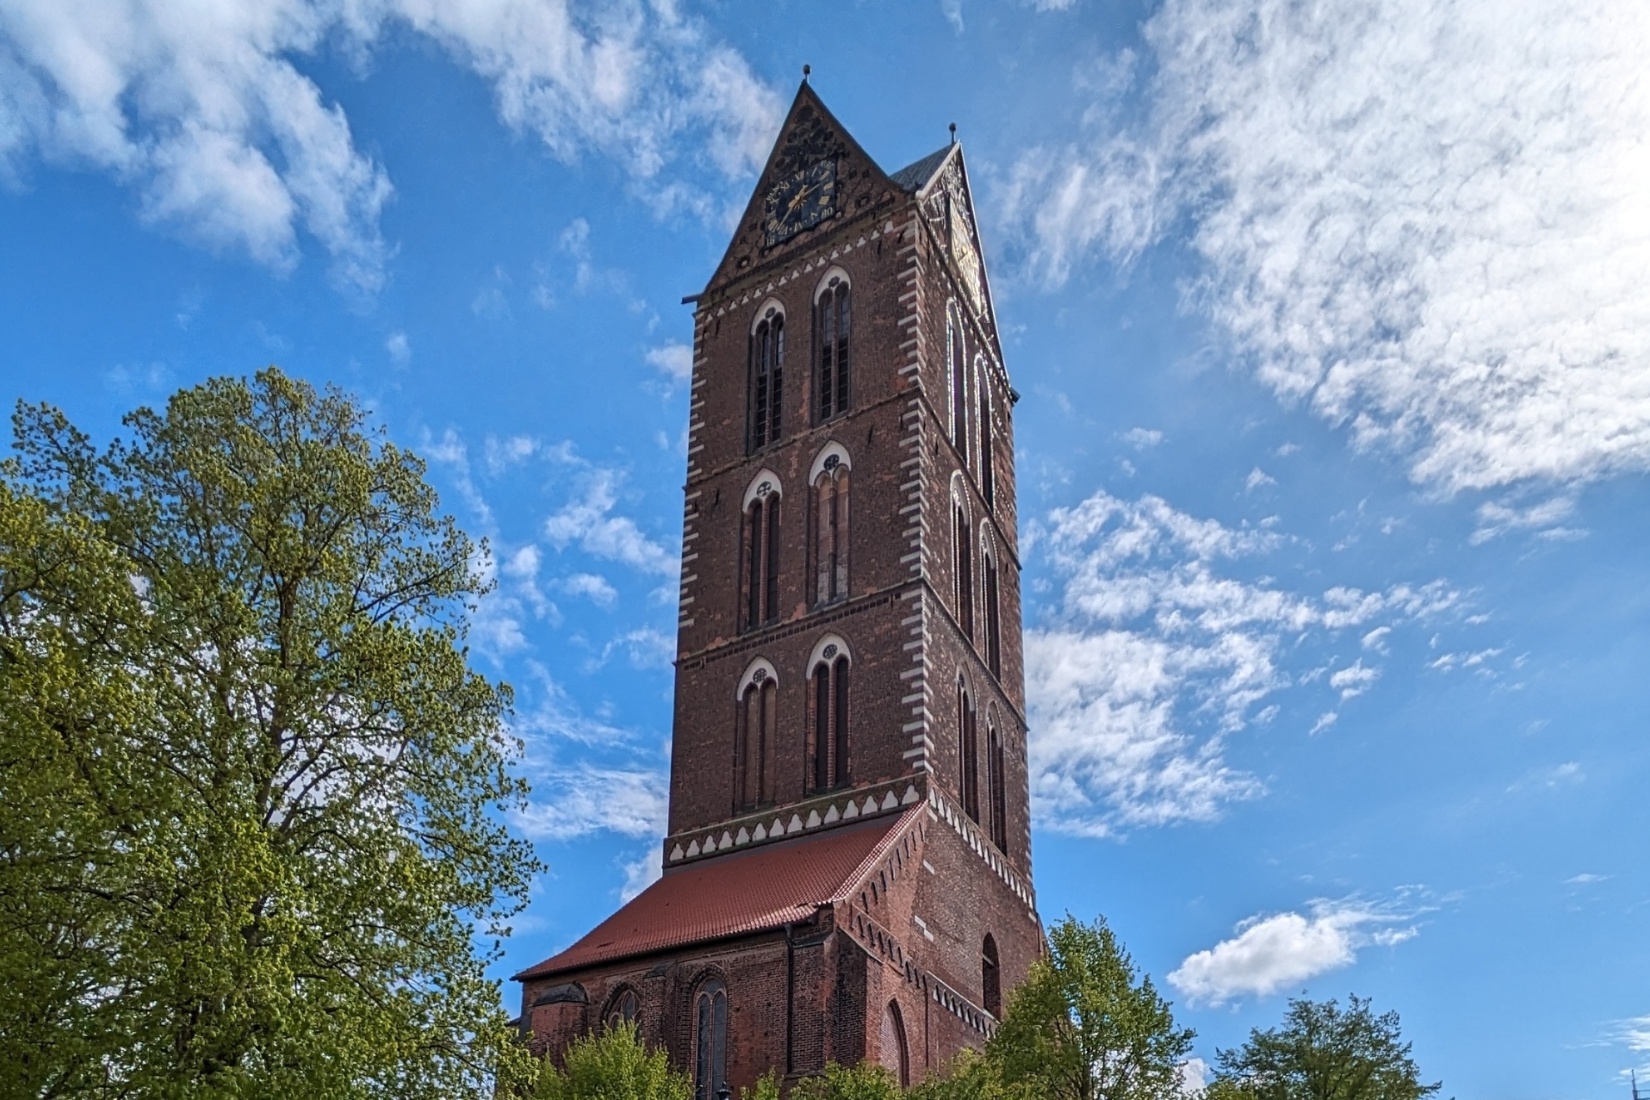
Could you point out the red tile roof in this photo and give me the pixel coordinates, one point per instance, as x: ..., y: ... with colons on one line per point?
x: 736, y: 894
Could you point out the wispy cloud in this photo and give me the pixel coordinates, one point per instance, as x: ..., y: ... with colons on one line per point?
x: 208, y: 114
x: 590, y: 523
x: 1152, y: 657
x: 1274, y: 951
x: 673, y: 360
x: 581, y: 799
x: 1420, y: 219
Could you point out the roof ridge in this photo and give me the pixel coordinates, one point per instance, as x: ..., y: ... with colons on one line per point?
x: 902, y: 824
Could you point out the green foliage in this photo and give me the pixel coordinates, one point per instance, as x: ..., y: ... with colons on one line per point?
x: 766, y: 1088
x: 970, y: 1077
x: 1323, y: 1052
x: 612, y: 1065
x: 251, y: 785
x: 861, y: 1082
x: 1083, y: 1027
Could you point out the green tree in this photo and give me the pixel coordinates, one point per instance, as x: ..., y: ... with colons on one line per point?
x: 251, y: 786
x: 1083, y: 1026
x: 862, y: 1082
x: 1324, y: 1052
x: 612, y: 1065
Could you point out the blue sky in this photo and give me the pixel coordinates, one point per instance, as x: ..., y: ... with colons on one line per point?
x: 1331, y: 328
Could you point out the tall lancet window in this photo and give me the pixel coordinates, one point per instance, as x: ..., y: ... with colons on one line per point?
x: 962, y: 567
x: 710, y: 1041
x: 829, y: 746
x: 959, y: 381
x: 997, y: 767
x: 992, y: 609
x: 988, y: 486
x: 760, y: 561
x: 991, y: 980
x: 767, y: 377
x: 968, y: 742
x: 832, y: 324
x: 830, y: 489
x: 754, y: 745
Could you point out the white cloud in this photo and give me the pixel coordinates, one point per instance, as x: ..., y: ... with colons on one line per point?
x: 1424, y: 220
x: 1152, y: 659
x: 202, y: 111
x: 399, y: 349
x: 1325, y: 721
x: 583, y: 798
x: 1375, y: 640
x: 1585, y: 879
x: 1258, y: 479
x: 591, y: 586
x: 1270, y: 953
x: 504, y: 454
x: 1353, y: 680
x: 1635, y: 1033
x: 588, y: 523
x: 1194, y: 1076
x: 674, y: 360
x: 205, y: 112
x: 1497, y: 518
x: 640, y: 873
x: 1142, y: 438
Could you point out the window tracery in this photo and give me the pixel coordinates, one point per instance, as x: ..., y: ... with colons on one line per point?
x: 760, y: 557
x: 757, y: 727
x: 988, y: 481
x: 710, y: 1040
x: 767, y: 372
x: 991, y: 981
x: 958, y: 377
x: 992, y: 609
x: 829, y: 748
x: 833, y: 325
x: 969, y: 754
x: 830, y: 481
x: 997, y: 772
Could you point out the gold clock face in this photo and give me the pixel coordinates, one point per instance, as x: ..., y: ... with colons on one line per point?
x: 800, y: 202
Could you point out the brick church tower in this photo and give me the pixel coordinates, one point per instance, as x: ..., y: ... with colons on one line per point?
x: 847, y: 875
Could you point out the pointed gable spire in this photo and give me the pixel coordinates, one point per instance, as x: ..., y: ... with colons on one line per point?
x: 816, y: 175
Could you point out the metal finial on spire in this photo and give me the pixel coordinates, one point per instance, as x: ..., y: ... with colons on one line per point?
x: 953, y: 133
x: 806, y: 69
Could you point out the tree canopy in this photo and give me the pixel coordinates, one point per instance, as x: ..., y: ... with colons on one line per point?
x: 251, y: 782
x: 1085, y: 1026
x: 1323, y: 1052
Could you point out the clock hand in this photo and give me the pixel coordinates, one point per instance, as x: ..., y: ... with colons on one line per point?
x: 800, y: 195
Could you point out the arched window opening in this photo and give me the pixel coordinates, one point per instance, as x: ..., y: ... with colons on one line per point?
x: 963, y: 569
x: 959, y: 383
x: 999, y: 796
x: 830, y: 699
x: 993, y: 617
x: 761, y: 557
x: 839, y: 724
x: 988, y: 481
x: 758, y: 724
x: 895, y: 1057
x: 831, y: 531
x: 991, y: 982
x: 626, y: 1008
x: 832, y: 321
x: 710, y: 1041
x: 968, y: 742
x: 767, y: 378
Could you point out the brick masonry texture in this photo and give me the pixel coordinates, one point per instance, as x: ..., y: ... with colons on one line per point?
x: 911, y: 936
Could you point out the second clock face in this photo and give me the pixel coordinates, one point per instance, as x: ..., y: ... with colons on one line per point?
x: 800, y: 202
